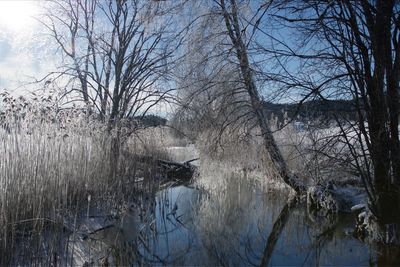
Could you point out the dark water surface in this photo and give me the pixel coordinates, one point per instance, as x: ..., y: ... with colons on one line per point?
x: 227, y: 219
x: 232, y: 227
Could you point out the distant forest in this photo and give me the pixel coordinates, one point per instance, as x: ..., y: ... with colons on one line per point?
x: 321, y: 112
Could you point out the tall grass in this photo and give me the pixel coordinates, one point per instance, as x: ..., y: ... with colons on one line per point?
x: 54, y: 162
x: 50, y: 163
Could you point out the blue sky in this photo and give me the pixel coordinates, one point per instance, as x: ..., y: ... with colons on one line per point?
x: 26, y: 52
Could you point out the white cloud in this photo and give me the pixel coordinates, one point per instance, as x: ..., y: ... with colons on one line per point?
x: 25, y: 51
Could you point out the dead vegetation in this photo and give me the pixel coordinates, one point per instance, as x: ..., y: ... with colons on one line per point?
x: 54, y: 165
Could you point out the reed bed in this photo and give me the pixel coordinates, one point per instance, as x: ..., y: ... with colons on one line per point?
x: 54, y: 163
x: 45, y: 174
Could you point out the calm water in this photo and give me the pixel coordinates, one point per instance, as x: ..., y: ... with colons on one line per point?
x: 226, y: 219
x: 232, y: 227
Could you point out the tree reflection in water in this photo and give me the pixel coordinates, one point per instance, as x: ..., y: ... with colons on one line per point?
x: 231, y: 221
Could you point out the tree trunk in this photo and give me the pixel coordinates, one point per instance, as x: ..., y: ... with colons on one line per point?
x: 235, y: 34
x: 383, y: 95
x: 115, y: 145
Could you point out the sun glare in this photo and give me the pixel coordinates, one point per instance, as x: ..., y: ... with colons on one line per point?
x: 17, y: 14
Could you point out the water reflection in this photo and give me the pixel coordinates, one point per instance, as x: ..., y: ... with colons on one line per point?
x: 236, y: 223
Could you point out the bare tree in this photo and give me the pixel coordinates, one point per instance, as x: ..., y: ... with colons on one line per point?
x: 355, y: 45
x: 119, y: 51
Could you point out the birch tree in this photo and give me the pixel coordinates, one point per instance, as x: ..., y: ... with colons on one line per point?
x: 229, y: 11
